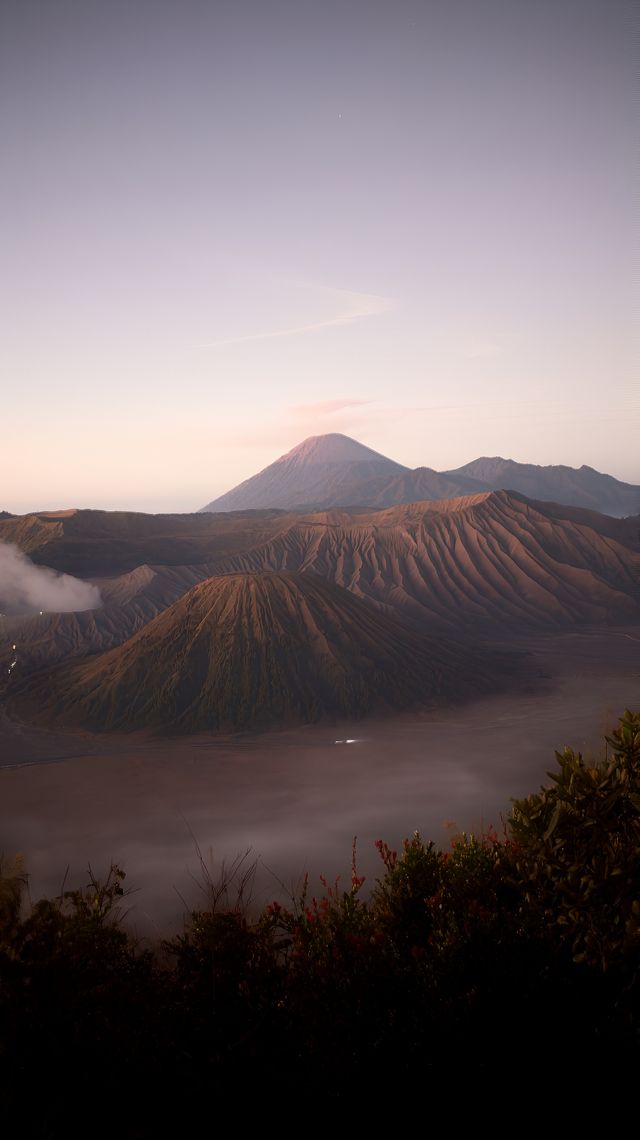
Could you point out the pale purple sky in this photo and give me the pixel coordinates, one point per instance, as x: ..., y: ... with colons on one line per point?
x: 231, y: 224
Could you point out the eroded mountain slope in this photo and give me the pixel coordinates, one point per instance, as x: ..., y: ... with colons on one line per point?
x: 493, y: 559
x: 492, y: 563
x: 253, y: 650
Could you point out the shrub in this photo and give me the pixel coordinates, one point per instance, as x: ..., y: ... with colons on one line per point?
x: 579, y: 851
x: 13, y: 885
x: 474, y: 961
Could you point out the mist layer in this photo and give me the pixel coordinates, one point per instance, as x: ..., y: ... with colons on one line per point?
x: 25, y: 587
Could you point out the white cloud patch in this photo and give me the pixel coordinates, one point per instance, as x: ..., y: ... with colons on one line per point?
x: 25, y: 587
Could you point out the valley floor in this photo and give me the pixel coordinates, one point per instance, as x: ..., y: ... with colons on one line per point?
x: 297, y: 798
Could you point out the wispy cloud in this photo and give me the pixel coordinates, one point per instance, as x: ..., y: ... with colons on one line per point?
x: 299, y: 420
x: 355, y: 307
x: 326, y: 407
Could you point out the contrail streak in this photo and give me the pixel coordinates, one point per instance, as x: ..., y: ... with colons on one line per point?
x: 366, y: 305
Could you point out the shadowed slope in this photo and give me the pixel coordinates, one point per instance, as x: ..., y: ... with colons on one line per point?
x: 129, y: 603
x: 87, y: 543
x: 251, y: 650
x: 405, y: 487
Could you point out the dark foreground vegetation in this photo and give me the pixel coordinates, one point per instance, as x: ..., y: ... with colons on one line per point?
x: 507, y: 960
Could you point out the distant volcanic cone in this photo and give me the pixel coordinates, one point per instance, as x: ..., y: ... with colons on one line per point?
x: 321, y: 471
x: 253, y: 650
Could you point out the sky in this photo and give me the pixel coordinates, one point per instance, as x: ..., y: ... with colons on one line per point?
x: 232, y: 224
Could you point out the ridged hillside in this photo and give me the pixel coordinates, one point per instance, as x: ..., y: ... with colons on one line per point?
x: 494, y: 560
x: 253, y: 650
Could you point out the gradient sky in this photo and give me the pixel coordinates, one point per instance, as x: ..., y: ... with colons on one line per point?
x: 231, y: 224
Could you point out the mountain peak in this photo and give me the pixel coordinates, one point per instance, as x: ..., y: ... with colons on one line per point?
x: 312, y: 475
x: 331, y: 448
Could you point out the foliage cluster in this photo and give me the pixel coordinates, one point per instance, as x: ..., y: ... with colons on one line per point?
x: 499, y: 953
x: 579, y: 850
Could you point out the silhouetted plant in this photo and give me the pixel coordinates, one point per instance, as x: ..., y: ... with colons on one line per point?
x: 13, y: 885
x: 536, y: 931
x: 579, y: 857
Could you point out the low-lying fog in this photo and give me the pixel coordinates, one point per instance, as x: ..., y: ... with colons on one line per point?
x: 297, y: 798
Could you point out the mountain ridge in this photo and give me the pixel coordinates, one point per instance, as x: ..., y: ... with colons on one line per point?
x: 495, y: 562
x: 330, y: 471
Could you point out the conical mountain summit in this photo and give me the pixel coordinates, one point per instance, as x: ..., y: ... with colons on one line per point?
x: 318, y: 471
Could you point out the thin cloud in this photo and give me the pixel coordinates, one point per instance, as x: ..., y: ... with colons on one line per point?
x: 326, y: 407
x: 358, y: 305
x: 298, y: 421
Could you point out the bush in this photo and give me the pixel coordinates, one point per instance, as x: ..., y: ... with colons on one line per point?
x: 579, y: 851
x: 478, y: 960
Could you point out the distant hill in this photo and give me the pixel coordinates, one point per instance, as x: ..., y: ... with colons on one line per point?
x: 96, y: 543
x: 332, y: 471
x: 406, y: 487
x: 322, y: 470
x: 253, y: 650
x: 576, y: 487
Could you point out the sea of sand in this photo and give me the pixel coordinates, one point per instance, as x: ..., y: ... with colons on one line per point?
x: 164, y: 808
